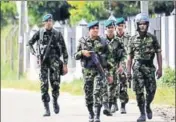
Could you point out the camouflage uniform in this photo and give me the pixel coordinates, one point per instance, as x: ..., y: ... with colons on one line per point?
x: 118, y: 55
x: 143, y: 50
x: 122, y: 91
x: 95, y: 87
x: 52, y: 64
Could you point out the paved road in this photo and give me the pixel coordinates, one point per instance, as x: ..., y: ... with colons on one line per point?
x: 25, y: 106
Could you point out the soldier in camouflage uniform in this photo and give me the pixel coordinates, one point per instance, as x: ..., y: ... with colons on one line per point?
x: 95, y: 87
x: 142, y: 49
x: 118, y: 53
x: 51, y: 66
x: 123, y: 37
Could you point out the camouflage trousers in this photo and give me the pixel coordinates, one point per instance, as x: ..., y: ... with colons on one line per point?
x: 49, y: 72
x: 144, y: 77
x: 94, y: 87
x: 118, y: 89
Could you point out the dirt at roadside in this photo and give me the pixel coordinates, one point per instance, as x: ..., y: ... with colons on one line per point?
x: 167, y: 112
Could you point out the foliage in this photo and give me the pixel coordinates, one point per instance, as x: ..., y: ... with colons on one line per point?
x: 89, y: 10
x: 123, y: 8
x: 168, y: 77
x: 160, y: 7
x: 59, y: 10
x: 8, y: 12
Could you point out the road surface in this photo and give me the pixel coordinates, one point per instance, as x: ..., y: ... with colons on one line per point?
x: 25, y: 106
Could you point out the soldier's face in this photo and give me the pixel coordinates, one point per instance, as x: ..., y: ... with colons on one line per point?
x: 120, y: 28
x: 94, y: 31
x: 142, y: 26
x: 110, y: 29
x: 48, y: 24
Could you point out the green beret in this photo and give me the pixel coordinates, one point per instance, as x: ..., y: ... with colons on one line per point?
x: 109, y: 23
x: 120, y: 20
x: 47, y: 17
x: 92, y: 24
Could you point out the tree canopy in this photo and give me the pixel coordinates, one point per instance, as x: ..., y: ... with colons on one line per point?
x: 74, y: 11
x: 8, y: 12
x: 90, y: 10
x: 59, y: 10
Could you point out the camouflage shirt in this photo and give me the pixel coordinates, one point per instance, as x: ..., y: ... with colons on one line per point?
x: 118, y: 51
x: 124, y: 39
x: 100, y: 46
x: 57, y: 46
x: 143, y: 48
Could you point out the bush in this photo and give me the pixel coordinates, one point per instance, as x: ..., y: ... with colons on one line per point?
x: 168, y: 77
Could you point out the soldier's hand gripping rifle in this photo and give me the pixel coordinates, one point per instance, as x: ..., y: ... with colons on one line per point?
x: 96, y: 61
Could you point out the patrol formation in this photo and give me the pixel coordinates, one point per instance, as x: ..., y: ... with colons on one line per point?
x: 107, y: 62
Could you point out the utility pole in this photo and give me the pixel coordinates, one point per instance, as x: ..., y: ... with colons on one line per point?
x: 144, y: 7
x: 26, y: 37
x: 21, y: 39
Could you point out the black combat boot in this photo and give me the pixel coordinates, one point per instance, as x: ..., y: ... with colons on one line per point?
x: 56, y: 107
x: 97, y: 111
x: 149, y: 111
x: 123, y: 110
x: 142, y: 117
x: 106, y: 110
x: 91, y: 113
x: 47, y: 110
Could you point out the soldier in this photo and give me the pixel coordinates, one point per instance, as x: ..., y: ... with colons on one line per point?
x: 123, y: 37
x: 142, y: 49
x: 118, y: 55
x: 91, y: 75
x: 50, y: 46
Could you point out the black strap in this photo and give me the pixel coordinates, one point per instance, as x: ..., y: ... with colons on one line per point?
x: 47, y: 48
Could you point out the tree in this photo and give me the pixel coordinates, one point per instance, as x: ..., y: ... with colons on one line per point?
x: 160, y: 7
x: 89, y: 10
x: 59, y: 10
x: 8, y: 12
x: 123, y: 8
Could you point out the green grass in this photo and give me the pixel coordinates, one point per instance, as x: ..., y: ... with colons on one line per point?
x: 21, y: 84
x: 164, y: 95
x: 74, y: 87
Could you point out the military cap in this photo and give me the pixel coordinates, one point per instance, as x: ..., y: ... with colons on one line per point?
x: 120, y: 20
x: 109, y: 23
x: 92, y: 24
x: 47, y: 17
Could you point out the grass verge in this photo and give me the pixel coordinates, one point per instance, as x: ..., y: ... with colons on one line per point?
x: 164, y: 95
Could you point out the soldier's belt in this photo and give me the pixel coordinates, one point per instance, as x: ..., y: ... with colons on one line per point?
x: 146, y: 62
